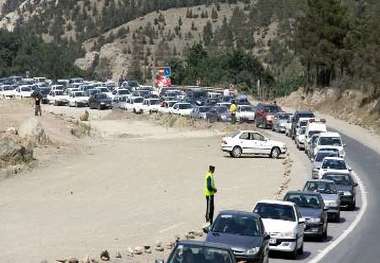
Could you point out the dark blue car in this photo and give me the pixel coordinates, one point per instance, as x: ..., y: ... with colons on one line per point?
x: 243, y: 232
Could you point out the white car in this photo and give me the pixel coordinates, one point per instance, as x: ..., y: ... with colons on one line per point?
x: 245, y: 113
x: 251, y: 142
x: 283, y: 222
x: 24, y: 91
x: 105, y: 90
x: 329, y: 140
x: 167, y: 105
x: 300, y: 138
x: 8, y: 91
x: 150, y: 105
x: 333, y: 165
x: 78, y: 99
x: 57, y: 98
x: 181, y: 108
x: 134, y: 104
x: 57, y: 87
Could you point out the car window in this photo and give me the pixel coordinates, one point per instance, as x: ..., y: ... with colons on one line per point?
x: 336, y: 141
x: 334, y: 164
x: 258, y: 137
x: 244, y: 136
x: 339, y: 179
x: 201, y: 254
x: 304, y: 200
x: 237, y: 224
x: 275, y: 211
x: 321, y: 187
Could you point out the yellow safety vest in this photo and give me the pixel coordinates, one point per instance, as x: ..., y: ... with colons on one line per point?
x: 233, y: 108
x: 205, y: 189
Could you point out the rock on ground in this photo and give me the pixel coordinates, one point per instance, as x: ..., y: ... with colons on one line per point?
x: 32, y: 131
x: 12, y: 152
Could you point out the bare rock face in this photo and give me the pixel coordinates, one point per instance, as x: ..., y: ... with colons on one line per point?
x: 32, y: 131
x: 12, y: 152
x: 84, y: 116
x: 88, y: 62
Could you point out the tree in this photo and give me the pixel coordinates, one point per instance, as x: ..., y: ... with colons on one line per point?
x: 208, y: 33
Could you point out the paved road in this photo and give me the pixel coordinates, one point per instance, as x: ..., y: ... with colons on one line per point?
x: 362, y: 244
x: 312, y: 247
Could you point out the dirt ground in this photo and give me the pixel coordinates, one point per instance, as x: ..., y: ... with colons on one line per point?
x: 133, y: 184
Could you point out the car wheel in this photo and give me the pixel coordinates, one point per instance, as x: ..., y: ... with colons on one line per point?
x: 236, y: 152
x: 275, y: 153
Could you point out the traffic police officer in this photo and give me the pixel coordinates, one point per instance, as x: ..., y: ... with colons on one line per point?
x: 233, y: 110
x: 209, y: 192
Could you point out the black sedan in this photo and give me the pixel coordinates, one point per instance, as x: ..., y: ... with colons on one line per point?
x: 313, y: 210
x: 243, y: 232
x: 345, y: 186
x: 198, y: 251
x: 100, y: 101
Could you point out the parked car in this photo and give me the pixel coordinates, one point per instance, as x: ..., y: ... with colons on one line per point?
x: 329, y: 140
x: 313, y: 210
x: 105, y: 90
x: 8, y: 91
x: 181, y: 108
x: 24, y: 91
x: 314, y: 127
x: 200, y: 112
x: 333, y: 165
x: 252, y: 142
x: 119, y: 93
x: 280, y: 121
x: 100, y: 101
x: 297, y: 115
x: 318, y: 159
x: 58, y: 98
x: 265, y: 114
x: 78, y: 99
x: 243, y: 232
x: 285, y: 225
x: 167, y: 105
x: 218, y: 114
x: 346, y: 186
x: 330, y: 195
x: 245, y: 113
x: 44, y: 92
x: 149, y: 105
x: 134, y: 104
x: 300, y: 138
x: 199, y: 252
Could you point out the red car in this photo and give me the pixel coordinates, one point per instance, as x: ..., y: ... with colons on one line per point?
x: 265, y: 114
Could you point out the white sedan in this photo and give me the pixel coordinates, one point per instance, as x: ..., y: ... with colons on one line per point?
x: 78, y: 99
x: 167, y: 105
x: 252, y: 142
x: 182, y: 108
x: 57, y: 98
x: 284, y: 224
x: 245, y: 113
x: 333, y: 165
x: 24, y: 91
x: 150, y: 106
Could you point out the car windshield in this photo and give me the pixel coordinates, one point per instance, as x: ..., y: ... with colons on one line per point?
x: 334, y: 164
x: 59, y: 93
x: 336, y: 141
x: 236, y: 224
x: 138, y: 100
x: 26, y: 89
x: 79, y: 94
x: 339, y: 179
x: 185, y: 106
x: 311, y: 133
x: 232, y: 135
x: 104, y: 90
x: 44, y: 91
x: 132, y: 83
x: 272, y: 108
x: 283, y: 117
x: 321, y: 155
x: 204, y: 254
x: 204, y: 109
x: 275, y: 211
x: 321, y: 187
x: 306, y: 115
x: 102, y: 96
x: 123, y: 92
x: 247, y: 109
x: 154, y: 102
x: 304, y: 200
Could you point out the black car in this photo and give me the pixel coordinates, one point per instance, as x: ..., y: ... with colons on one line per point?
x: 297, y: 115
x: 313, y: 210
x: 100, y: 101
x: 200, y: 252
x: 346, y: 186
x: 242, y: 231
x: 44, y: 92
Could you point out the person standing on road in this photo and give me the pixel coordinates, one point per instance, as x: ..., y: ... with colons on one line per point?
x: 233, y: 110
x: 209, y: 191
x: 37, y: 102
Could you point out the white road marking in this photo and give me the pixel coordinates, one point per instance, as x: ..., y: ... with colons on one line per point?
x: 170, y: 228
x: 336, y: 242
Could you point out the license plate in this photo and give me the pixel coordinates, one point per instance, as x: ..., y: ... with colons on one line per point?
x: 272, y: 241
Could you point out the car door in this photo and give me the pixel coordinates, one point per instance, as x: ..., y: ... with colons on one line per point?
x: 300, y: 226
x: 247, y: 143
x: 261, y: 144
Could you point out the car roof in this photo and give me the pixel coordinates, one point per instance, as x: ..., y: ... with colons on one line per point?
x: 250, y: 131
x: 319, y: 181
x: 238, y: 212
x: 303, y: 112
x: 303, y: 192
x: 329, y: 134
x: 276, y: 202
x: 203, y: 243
x: 334, y: 158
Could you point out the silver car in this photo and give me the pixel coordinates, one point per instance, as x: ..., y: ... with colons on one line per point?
x: 331, y: 196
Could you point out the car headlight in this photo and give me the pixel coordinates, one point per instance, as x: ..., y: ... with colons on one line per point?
x: 331, y: 203
x: 314, y: 220
x: 290, y: 235
x: 252, y: 251
x: 347, y: 193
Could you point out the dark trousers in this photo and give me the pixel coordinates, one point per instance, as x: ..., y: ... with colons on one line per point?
x: 37, y: 110
x: 210, y: 209
x: 233, y: 118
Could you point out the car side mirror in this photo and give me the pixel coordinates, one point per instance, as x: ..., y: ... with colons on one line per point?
x: 266, y: 236
x: 301, y: 221
x: 344, y: 145
x: 206, y: 229
x: 355, y: 184
x: 325, y: 208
